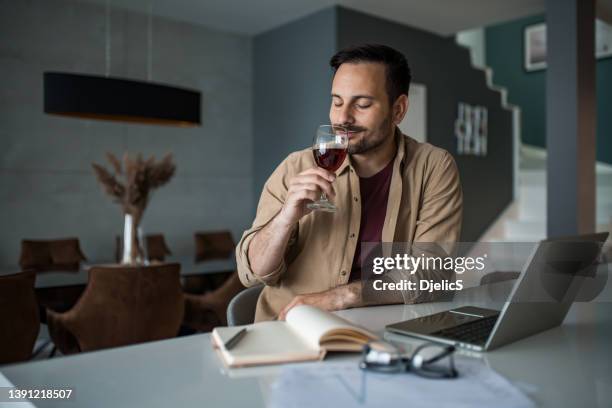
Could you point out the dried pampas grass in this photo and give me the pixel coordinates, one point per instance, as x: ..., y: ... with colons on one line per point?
x: 133, y: 180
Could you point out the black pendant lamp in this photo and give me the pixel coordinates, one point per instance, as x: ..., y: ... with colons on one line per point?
x: 107, y: 98
x: 119, y: 99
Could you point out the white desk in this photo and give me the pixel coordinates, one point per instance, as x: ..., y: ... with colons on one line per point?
x: 568, y: 366
x: 69, y: 278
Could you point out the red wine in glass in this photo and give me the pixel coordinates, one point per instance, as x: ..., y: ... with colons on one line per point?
x: 329, y: 148
x: 329, y: 158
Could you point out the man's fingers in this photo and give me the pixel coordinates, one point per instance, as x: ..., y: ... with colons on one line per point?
x: 328, y: 175
x: 317, y: 188
x: 305, y: 195
x: 311, y: 178
x: 296, y: 301
x: 283, y: 313
x: 308, y: 179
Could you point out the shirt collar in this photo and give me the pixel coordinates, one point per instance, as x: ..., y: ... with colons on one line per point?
x: 399, y: 155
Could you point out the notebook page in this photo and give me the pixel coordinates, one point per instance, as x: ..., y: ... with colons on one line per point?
x: 313, y: 323
x: 265, y: 343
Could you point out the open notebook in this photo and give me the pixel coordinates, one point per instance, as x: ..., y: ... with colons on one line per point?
x: 307, y: 334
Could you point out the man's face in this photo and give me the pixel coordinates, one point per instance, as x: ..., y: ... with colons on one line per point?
x: 360, y: 102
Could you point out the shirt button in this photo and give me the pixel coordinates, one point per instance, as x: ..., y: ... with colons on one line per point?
x: 343, y: 273
x: 356, y: 199
x: 353, y: 235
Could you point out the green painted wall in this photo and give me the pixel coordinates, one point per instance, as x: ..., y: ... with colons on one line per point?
x: 504, y: 54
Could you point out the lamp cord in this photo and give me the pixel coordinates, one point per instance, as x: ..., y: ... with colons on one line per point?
x: 108, y: 42
x: 150, y: 43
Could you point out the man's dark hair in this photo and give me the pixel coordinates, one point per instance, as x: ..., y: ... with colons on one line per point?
x: 397, y: 69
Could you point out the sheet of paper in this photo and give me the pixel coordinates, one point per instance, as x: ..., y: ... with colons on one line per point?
x: 345, y: 385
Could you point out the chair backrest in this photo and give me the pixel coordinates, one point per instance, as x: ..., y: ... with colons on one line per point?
x: 213, y: 245
x: 51, y: 254
x: 155, y: 246
x: 241, y: 309
x: 124, y: 305
x: 19, y: 319
x: 157, y: 249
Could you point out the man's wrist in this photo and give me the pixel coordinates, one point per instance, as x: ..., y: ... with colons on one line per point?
x: 350, y: 295
x: 281, y: 223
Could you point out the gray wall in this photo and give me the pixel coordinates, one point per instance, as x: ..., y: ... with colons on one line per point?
x: 47, y: 186
x: 292, y: 82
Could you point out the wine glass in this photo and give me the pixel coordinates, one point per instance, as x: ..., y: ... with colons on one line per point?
x: 329, y: 147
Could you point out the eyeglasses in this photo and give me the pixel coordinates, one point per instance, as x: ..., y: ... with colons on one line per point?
x: 429, y: 360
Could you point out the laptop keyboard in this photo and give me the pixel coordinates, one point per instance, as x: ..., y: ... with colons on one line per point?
x: 476, y: 332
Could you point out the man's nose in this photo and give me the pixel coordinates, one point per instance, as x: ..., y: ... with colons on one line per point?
x: 345, y: 116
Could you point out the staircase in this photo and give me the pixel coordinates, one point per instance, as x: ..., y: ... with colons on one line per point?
x: 525, y: 219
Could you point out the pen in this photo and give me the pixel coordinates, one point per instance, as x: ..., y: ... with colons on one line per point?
x: 235, y: 339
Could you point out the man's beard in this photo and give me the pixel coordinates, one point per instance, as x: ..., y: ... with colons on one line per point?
x: 372, y: 142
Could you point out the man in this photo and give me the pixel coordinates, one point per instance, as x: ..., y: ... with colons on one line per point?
x: 390, y: 189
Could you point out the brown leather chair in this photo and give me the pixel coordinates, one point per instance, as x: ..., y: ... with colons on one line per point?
x: 157, y: 249
x: 156, y: 246
x: 51, y: 254
x: 204, y: 312
x: 121, y: 305
x: 213, y: 245
x: 19, y: 320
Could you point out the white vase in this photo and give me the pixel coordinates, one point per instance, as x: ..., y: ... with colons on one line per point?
x: 133, y: 252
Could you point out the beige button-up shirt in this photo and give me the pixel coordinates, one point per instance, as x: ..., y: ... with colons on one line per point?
x: 424, y: 205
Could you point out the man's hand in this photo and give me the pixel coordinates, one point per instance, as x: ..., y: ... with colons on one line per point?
x: 342, y: 297
x: 270, y: 243
x: 304, y: 188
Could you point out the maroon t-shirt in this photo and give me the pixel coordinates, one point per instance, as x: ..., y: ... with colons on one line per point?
x: 374, y: 196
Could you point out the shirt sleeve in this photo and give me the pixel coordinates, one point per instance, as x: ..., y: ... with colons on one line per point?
x: 441, y: 213
x: 271, y: 202
x: 438, y: 227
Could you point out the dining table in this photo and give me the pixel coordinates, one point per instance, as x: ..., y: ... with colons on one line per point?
x: 60, y: 278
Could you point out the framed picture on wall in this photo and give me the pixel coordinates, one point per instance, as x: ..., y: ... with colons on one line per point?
x: 603, y: 39
x: 534, y: 44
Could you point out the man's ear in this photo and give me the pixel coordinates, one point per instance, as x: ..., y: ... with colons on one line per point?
x: 400, y: 107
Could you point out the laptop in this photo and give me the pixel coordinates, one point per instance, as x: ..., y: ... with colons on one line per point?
x: 539, y: 300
